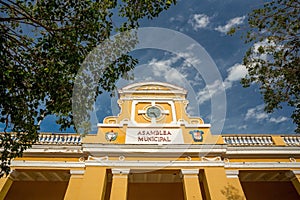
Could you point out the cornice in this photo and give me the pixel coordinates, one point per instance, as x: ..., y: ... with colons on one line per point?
x: 172, y: 150
x: 136, y: 164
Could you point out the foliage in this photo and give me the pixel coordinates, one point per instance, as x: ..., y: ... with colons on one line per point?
x: 273, y: 60
x: 232, y: 193
x: 42, y: 45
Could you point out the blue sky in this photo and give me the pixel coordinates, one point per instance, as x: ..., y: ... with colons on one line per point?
x: 207, y: 22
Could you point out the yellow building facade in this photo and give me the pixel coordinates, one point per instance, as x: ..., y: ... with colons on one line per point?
x: 153, y: 150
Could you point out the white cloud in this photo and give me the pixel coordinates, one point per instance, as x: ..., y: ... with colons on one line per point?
x: 235, y: 73
x: 162, y: 68
x: 267, y: 45
x: 178, y: 18
x: 192, y: 110
x: 230, y: 24
x: 257, y: 113
x: 256, y: 47
x: 242, y: 127
x: 197, y: 81
x: 211, y: 89
x: 189, y: 59
x: 278, y: 119
x: 199, y: 21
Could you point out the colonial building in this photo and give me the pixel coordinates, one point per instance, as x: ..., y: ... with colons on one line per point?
x: 154, y: 151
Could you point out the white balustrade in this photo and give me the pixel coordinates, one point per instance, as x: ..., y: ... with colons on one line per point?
x: 291, y: 140
x: 67, y: 139
x: 248, y: 140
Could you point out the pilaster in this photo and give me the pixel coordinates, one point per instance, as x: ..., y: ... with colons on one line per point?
x: 191, y: 184
x: 234, y: 188
x: 296, y: 180
x: 278, y: 140
x: 222, y: 187
x: 74, y: 185
x: 93, y: 183
x: 119, y: 184
x: 5, y: 183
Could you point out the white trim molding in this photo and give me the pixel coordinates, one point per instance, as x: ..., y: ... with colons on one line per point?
x: 296, y: 172
x: 232, y: 173
x: 76, y: 172
x: 151, y: 150
x: 153, y: 164
x: 262, y: 150
x: 120, y: 171
x: 262, y: 165
x: 190, y: 171
x: 47, y: 164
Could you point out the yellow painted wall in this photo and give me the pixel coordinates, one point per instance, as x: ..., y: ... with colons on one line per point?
x: 93, y: 185
x: 180, y: 111
x: 5, y: 184
x: 218, y: 186
x: 119, y: 187
x: 139, y: 117
x: 192, y: 189
x: 74, y: 187
x: 208, y: 138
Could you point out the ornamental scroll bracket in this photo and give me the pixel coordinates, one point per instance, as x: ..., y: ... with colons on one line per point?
x: 98, y: 158
x: 211, y: 159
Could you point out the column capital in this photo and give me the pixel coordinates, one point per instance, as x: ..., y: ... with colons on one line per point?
x: 191, y: 184
x: 77, y: 172
x: 232, y: 173
x: 296, y: 172
x: 190, y: 171
x: 120, y: 171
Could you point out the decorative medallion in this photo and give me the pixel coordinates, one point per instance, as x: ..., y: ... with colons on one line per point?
x: 111, y: 136
x: 197, y: 135
x: 153, y: 112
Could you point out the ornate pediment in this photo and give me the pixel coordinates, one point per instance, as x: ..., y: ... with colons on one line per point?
x: 152, y: 87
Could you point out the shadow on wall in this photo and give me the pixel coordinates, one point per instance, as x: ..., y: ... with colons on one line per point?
x: 232, y: 193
